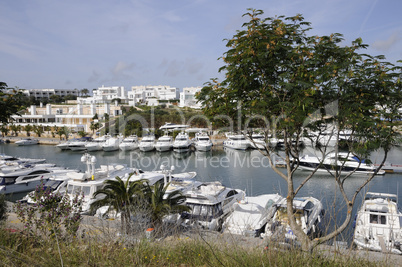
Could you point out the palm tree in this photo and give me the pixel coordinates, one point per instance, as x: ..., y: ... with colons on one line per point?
x: 28, y: 128
x: 121, y: 196
x: 160, y: 203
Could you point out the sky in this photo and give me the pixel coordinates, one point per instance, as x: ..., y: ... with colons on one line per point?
x: 86, y: 44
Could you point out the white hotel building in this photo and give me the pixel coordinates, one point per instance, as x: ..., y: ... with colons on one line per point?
x: 187, y: 97
x: 150, y: 95
x: 105, y: 94
x: 47, y: 93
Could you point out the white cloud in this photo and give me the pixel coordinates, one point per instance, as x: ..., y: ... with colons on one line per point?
x: 385, y: 45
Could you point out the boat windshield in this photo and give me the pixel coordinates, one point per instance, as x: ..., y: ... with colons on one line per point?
x: 78, y: 189
x: 203, y: 139
x: 203, y: 212
x: 181, y: 139
x: 238, y: 138
x: 53, y: 184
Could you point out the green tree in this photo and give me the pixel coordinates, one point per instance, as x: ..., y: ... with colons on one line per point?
x: 4, y: 130
x: 63, y: 131
x: 120, y: 196
x: 160, y: 203
x: 289, y: 83
x: 38, y: 130
x: 55, y: 99
x: 82, y: 133
x: 85, y: 92
x: 10, y: 103
x: 28, y: 129
x: 14, y: 128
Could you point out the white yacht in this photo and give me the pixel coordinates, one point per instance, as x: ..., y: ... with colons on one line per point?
x: 378, y: 225
x: 27, y: 142
x: 57, y: 184
x: 86, y: 184
x: 251, y: 215
x: 210, y: 204
x: 7, y: 160
x: 343, y: 162
x: 308, y: 211
x: 129, y: 143
x: 79, y: 144
x: 202, y: 142
x: 182, y: 143
x: 236, y: 141
x: 112, y: 144
x: 164, y: 143
x: 97, y: 143
x: 23, y: 180
x: 147, y: 143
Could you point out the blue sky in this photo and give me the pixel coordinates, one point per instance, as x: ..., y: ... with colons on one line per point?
x: 86, y: 44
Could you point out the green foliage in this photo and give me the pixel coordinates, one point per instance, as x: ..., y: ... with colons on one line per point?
x: 82, y: 133
x: 38, y: 130
x: 160, y: 203
x: 120, y: 196
x: 3, y: 208
x: 28, y: 129
x: 10, y: 103
x: 51, y: 215
x: 63, y: 131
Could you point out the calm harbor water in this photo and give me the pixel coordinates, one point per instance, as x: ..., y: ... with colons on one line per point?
x: 246, y: 170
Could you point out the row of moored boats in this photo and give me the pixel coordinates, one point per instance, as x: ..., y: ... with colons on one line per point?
x: 182, y: 143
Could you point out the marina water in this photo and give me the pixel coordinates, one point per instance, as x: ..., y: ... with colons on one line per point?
x: 246, y: 170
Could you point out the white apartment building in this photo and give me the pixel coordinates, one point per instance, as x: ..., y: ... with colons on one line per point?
x: 47, y: 93
x: 105, y: 94
x: 187, y: 97
x: 76, y: 117
x: 151, y: 94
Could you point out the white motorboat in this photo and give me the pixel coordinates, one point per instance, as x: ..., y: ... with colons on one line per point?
x: 27, y: 142
x: 308, y: 211
x: 9, y: 168
x: 147, y: 143
x: 202, y: 142
x: 57, y: 184
x: 343, y: 162
x: 112, y: 144
x: 7, y: 160
x: 251, y: 215
x: 182, y: 143
x: 210, y: 204
x: 129, y: 143
x: 24, y: 180
x: 86, y: 184
x: 64, y: 145
x: 173, y: 127
x: 164, y: 143
x: 236, y: 141
x: 79, y: 144
x: 378, y: 225
x: 97, y: 143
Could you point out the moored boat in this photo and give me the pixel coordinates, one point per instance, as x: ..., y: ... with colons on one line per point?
x: 202, y: 142
x: 378, y: 225
x: 27, y: 142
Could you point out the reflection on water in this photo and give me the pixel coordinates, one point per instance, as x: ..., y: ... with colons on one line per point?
x: 246, y: 170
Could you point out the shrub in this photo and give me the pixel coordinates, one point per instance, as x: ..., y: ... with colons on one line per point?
x: 3, y: 208
x: 52, y: 214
